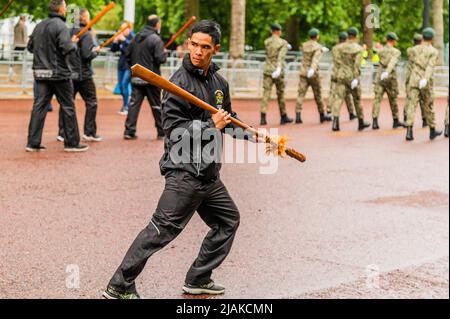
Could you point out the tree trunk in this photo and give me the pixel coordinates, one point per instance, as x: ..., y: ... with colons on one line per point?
x: 192, y: 8
x: 237, y: 39
x: 293, y: 32
x: 368, y: 26
x: 426, y: 14
x: 438, y: 23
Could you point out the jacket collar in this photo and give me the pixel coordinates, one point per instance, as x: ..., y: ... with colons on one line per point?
x: 187, y: 64
x: 55, y: 15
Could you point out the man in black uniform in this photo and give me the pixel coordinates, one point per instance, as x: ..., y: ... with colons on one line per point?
x: 51, y: 44
x: 146, y: 49
x: 192, y: 184
x: 80, y: 62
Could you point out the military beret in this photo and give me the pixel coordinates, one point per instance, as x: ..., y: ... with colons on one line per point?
x: 428, y: 33
x: 418, y: 37
x: 313, y: 33
x: 343, y: 35
x: 392, y: 36
x: 353, y: 31
x: 275, y: 27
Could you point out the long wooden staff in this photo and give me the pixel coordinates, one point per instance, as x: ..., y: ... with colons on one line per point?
x: 97, y: 18
x: 108, y: 42
x: 277, y: 144
x: 183, y: 28
x: 5, y: 8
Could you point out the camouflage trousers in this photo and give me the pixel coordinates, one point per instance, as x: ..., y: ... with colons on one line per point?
x: 303, y: 86
x: 337, y: 98
x: 267, y: 86
x: 413, y: 97
x: 348, y: 100
x: 391, y: 88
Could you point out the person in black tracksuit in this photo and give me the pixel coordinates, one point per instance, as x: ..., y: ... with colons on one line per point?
x: 80, y: 62
x: 193, y: 182
x: 51, y: 44
x: 146, y: 49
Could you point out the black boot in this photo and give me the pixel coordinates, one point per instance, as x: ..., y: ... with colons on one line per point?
x: 397, y: 124
x: 298, y: 118
x: 375, y: 125
x: 424, y: 122
x: 446, y: 131
x: 335, y: 127
x: 263, y: 119
x: 285, y: 119
x: 325, y: 118
x: 352, y: 116
x: 409, y: 133
x: 434, y: 133
x: 362, y: 125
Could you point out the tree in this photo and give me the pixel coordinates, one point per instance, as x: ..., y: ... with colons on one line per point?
x: 368, y: 25
x: 237, y: 37
x: 438, y: 23
x: 192, y: 8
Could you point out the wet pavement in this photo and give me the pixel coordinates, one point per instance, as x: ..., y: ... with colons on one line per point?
x: 367, y: 216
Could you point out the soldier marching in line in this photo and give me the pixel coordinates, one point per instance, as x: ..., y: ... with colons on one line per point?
x: 346, y: 72
x: 310, y: 76
x: 276, y: 50
x: 343, y: 36
x: 422, y: 59
x: 386, y: 81
x: 418, y: 39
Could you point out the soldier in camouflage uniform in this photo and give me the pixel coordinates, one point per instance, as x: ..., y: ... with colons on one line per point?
x: 343, y: 36
x: 422, y: 59
x: 418, y: 38
x: 276, y: 49
x: 346, y: 72
x: 386, y: 81
x: 309, y: 76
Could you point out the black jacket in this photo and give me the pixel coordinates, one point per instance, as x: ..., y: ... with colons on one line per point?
x: 80, y: 60
x: 50, y: 44
x: 182, y: 121
x: 123, y: 48
x: 147, y: 49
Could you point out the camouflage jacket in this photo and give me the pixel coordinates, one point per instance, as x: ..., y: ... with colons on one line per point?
x: 389, y: 57
x: 347, y: 58
x: 422, y: 59
x: 276, y: 50
x: 312, y: 52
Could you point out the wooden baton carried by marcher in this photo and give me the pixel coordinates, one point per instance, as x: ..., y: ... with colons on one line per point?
x: 5, y: 8
x: 108, y: 42
x: 183, y: 28
x: 277, y: 145
x: 97, y: 18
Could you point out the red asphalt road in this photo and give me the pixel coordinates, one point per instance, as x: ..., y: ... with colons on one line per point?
x: 362, y: 201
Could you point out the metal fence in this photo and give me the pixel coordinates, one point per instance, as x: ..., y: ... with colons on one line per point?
x: 245, y: 76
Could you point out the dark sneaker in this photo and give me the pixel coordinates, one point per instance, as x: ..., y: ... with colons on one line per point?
x: 32, y: 149
x: 210, y: 288
x: 130, y: 137
x: 76, y: 149
x: 111, y: 293
x: 92, y: 138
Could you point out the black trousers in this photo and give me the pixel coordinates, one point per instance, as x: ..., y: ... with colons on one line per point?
x: 183, y: 195
x: 63, y: 90
x: 88, y: 93
x: 153, y: 95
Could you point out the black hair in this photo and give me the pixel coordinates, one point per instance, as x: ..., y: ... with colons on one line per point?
x: 153, y: 21
x: 55, y: 5
x: 209, y: 27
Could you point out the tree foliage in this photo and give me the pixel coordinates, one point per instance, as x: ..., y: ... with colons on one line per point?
x: 330, y: 16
